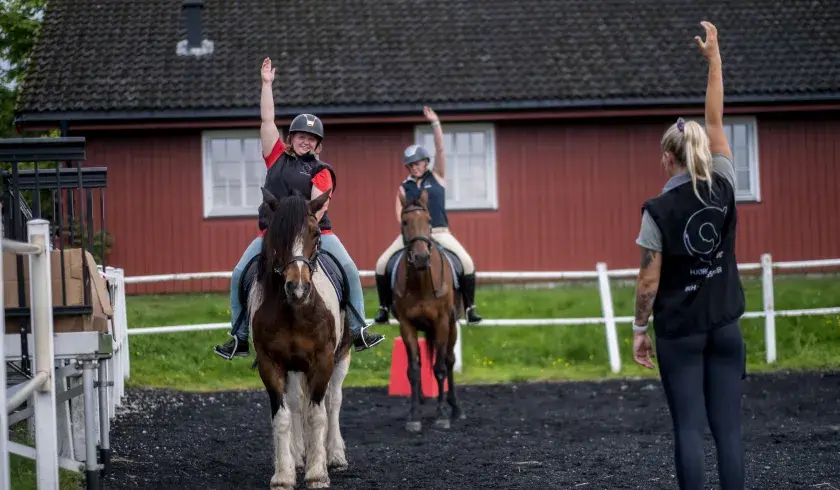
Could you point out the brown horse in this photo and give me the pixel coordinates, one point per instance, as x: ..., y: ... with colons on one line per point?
x: 302, y: 343
x: 425, y: 300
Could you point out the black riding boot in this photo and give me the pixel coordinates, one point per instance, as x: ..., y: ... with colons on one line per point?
x: 383, y: 287
x: 468, y: 292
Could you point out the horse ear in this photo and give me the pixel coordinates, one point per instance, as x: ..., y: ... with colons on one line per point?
x: 424, y: 198
x: 403, y: 199
x: 316, y: 204
x: 269, y: 199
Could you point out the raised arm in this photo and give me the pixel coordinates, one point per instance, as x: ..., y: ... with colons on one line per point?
x: 269, y: 134
x: 714, y: 91
x: 440, y: 153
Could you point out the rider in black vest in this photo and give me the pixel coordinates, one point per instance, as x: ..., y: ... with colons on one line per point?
x: 421, y: 177
x: 689, y: 280
x: 294, y: 167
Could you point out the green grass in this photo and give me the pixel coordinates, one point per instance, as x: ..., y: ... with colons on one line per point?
x: 490, y: 354
x: 22, y: 470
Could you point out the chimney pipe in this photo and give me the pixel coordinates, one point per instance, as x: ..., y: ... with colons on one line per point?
x: 192, y: 9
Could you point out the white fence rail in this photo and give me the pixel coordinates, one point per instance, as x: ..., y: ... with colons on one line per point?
x: 601, y: 274
x: 40, y: 387
x: 104, y: 369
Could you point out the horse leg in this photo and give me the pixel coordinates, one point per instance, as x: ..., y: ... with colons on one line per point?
x: 315, y: 421
x: 295, y: 392
x: 457, y: 413
x: 441, y: 350
x: 274, y: 379
x: 336, y: 459
x: 412, y: 351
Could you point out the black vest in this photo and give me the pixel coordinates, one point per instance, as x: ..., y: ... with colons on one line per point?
x: 289, y: 174
x: 699, y: 285
x: 437, y: 197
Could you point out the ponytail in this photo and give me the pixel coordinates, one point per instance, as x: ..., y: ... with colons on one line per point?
x: 689, y: 143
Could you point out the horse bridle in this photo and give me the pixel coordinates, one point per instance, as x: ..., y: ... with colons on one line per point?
x: 419, y: 238
x: 311, y: 261
x: 408, y: 243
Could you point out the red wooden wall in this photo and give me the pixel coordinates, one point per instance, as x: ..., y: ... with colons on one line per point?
x: 569, y: 196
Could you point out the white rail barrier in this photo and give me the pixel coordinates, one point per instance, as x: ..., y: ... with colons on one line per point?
x: 601, y: 274
x: 41, y: 388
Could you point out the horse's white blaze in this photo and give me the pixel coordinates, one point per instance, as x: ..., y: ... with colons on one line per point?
x: 297, y: 251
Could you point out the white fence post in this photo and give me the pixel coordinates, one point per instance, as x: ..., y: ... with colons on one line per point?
x: 46, y: 417
x: 609, y: 317
x: 769, y: 307
x: 5, y: 482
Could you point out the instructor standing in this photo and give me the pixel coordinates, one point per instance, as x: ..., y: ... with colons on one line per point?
x: 689, y: 280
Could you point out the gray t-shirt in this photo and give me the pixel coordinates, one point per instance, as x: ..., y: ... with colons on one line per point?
x: 649, y: 234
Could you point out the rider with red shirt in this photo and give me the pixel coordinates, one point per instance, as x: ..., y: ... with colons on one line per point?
x: 293, y: 166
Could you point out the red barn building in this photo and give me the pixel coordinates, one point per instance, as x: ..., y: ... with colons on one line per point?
x: 553, y: 111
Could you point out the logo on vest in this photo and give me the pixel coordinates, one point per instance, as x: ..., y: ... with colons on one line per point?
x: 701, y: 235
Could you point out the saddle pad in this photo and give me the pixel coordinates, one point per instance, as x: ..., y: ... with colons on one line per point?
x: 454, y: 265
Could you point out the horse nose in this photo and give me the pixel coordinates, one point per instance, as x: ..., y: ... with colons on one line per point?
x: 297, y: 289
x: 423, y: 259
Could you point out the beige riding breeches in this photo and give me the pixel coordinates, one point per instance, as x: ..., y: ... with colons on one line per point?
x: 442, y: 236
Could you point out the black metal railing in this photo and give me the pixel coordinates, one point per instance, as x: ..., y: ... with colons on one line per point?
x: 63, y: 195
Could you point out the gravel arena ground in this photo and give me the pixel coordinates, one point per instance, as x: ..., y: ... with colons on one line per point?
x: 599, y: 435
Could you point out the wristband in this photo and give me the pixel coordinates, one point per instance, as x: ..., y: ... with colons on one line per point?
x: 435, y: 123
x: 640, y: 328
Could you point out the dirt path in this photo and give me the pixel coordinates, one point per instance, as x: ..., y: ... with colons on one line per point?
x: 608, y: 435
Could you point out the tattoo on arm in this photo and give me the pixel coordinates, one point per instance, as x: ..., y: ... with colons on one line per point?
x: 644, y: 305
x: 647, y: 257
x: 646, y: 289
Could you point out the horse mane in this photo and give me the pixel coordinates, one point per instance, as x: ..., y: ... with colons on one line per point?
x: 287, y: 223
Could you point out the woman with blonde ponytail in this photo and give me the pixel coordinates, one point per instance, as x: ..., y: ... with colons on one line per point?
x: 689, y: 281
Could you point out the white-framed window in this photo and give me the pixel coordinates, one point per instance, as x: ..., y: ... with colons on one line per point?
x: 233, y: 170
x: 742, y: 136
x: 470, y: 163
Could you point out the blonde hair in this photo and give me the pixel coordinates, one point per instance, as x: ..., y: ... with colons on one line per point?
x: 689, y: 143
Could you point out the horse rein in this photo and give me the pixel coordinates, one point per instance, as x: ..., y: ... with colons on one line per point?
x: 311, y: 261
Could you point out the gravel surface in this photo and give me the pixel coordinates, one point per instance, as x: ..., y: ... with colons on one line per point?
x: 606, y: 435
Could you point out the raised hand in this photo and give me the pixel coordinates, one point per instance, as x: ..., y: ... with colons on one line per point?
x: 267, y: 72
x: 430, y: 114
x: 709, y: 48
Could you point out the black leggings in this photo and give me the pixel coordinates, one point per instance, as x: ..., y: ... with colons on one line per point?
x: 705, y: 370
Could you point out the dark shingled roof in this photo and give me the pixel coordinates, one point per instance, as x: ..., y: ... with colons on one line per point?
x: 357, y: 56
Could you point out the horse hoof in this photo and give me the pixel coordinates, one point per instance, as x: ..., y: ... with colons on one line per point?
x: 318, y: 483
x: 278, y: 482
x: 442, y: 423
x: 414, y: 426
x: 337, y: 464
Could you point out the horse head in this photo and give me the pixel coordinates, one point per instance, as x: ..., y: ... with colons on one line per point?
x: 416, y: 225
x: 292, y: 243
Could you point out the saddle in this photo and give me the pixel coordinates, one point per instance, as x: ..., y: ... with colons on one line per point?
x: 455, y: 265
x: 326, y: 261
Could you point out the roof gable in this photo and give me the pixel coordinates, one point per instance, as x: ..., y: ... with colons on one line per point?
x: 348, y: 55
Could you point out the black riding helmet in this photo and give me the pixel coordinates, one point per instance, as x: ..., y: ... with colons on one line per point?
x: 308, y: 123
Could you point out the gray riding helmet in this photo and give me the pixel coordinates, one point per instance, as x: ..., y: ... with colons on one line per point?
x: 307, y: 123
x: 415, y: 153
